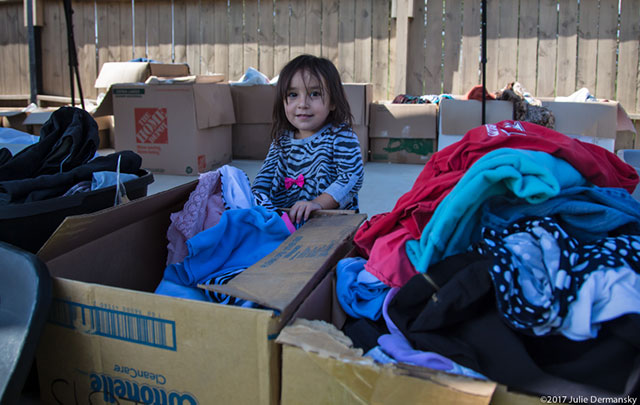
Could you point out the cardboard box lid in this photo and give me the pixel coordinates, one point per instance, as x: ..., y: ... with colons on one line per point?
x: 213, y: 106
x: 286, y: 276
x: 37, y: 117
x: 591, y: 118
x: 78, y: 230
x: 135, y: 72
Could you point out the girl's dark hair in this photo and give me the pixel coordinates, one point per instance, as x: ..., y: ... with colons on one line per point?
x: 318, y: 68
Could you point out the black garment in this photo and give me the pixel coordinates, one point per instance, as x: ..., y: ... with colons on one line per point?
x: 465, y: 326
x: 5, y: 156
x: 55, y: 185
x: 364, y: 333
x: 68, y: 139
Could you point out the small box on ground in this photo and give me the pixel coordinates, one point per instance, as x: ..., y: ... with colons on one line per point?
x: 320, y: 367
x: 403, y: 133
x: 182, y: 129
x: 457, y: 117
x: 110, y: 339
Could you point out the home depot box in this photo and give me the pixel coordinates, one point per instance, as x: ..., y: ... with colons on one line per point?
x: 402, y: 133
x: 110, y: 339
x: 175, y: 128
x: 456, y: 117
x: 320, y: 365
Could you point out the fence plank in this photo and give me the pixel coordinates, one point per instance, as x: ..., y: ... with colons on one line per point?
x: 607, y: 49
x: 380, y: 50
x: 547, y: 49
x: 208, y: 37
x: 126, y: 30
x: 236, y: 54
x: 528, y: 44
x: 194, y: 38
x: 493, y: 41
x: 180, y: 31
x: 313, y: 35
x: 362, y: 73
x: 221, y: 38
x: 415, y: 49
x: 452, y: 39
x: 281, y: 34
x: 140, y: 29
x: 165, y: 45
x: 330, y: 14
x: 10, y: 45
x: 250, y: 41
x: 587, y: 45
x: 628, y: 90
x: 297, y: 28
x: 433, y: 48
x: 153, y: 32
x: 22, y: 77
x: 393, y: 56
x: 54, y: 80
x: 471, y: 45
x: 567, y: 47
x: 84, y: 34
x: 346, y: 37
x: 114, y: 34
x: 508, y: 43
x: 265, y: 38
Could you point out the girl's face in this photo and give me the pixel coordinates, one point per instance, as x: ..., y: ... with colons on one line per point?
x: 305, y: 105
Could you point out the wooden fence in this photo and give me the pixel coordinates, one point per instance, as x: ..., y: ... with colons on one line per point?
x: 552, y: 47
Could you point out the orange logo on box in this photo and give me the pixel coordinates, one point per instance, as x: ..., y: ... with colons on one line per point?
x: 151, y: 125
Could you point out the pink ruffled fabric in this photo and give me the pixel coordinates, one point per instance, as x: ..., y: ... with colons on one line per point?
x: 202, y: 210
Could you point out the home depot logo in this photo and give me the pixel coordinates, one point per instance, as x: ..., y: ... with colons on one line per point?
x: 151, y: 125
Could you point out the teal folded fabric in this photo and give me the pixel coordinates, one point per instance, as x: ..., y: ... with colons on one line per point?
x: 531, y: 175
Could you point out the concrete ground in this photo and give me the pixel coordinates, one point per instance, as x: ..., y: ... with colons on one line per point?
x: 383, y: 183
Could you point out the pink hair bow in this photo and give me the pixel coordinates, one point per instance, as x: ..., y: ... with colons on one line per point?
x: 288, y: 182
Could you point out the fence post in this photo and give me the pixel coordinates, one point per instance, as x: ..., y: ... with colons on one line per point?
x: 402, y: 11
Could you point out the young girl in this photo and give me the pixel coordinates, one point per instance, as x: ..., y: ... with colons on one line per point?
x: 314, y: 160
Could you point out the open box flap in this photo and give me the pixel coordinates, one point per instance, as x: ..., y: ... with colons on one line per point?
x: 213, y: 105
x: 283, y: 278
x: 79, y: 230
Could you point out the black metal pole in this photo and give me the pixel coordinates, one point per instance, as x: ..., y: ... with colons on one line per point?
x: 484, y: 59
x: 33, y: 65
x: 73, y: 56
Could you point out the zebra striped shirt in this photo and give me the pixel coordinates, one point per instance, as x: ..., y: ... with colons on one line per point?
x: 329, y: 161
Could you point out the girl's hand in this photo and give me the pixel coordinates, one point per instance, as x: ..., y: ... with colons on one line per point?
x: 301, y: 211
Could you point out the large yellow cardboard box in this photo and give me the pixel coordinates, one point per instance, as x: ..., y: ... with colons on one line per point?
x: 110, y: 339
x: 319, y: 365
x: 181, y: 129
x: 403, y: 133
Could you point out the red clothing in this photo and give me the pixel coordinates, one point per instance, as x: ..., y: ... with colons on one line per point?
x: 387, y: 257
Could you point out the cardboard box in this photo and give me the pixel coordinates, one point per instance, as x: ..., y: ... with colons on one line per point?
x: 319, y: 366
x: 253, y: 104
x: 402, y: 133
x: 592, y: 122
x: 137, y: 72
x: 401, y: 150
x: 457, y: 117
x: 181, y: 129
x: 251, y: 141
x: 110, y: 336
x: 359, y: 97
x: 13, y: 118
